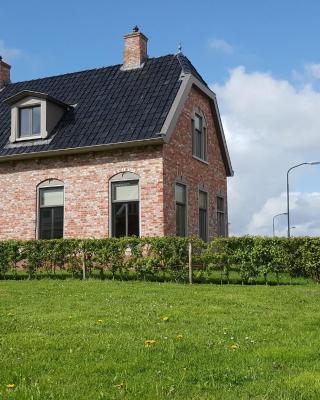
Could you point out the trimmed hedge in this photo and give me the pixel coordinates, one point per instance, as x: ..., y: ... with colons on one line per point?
x: 164, y: 257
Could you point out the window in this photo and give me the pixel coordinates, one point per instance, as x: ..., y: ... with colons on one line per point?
x: 51, y: 210
x: 125, y: 208
x: 203, y: 215
x: 29, y: 121
x: 181, y: 208
x: 199, y: 137
x: 221, y: 225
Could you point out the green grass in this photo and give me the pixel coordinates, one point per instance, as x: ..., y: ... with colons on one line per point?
x: 52, y: 345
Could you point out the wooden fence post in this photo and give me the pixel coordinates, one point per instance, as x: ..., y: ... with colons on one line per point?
x: 83, y: 264
x: 190, y: 263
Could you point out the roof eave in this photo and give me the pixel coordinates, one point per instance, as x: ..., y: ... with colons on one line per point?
x: 81, y: 150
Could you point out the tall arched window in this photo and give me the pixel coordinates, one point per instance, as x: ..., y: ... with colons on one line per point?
x: 199, y: 136
x: 50, y: 209
x: 125, y: 220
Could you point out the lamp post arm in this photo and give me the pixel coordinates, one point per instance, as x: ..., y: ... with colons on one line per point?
x: 273, y: 220
x: 288, y: 193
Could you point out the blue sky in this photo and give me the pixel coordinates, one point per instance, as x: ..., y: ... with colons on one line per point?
x: 78, y: 35
x: 261, y: 58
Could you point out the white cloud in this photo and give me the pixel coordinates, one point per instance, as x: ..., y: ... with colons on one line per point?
x: 270, y: 125
x: 8, y: 53
x: 313, y: 70
x: 304, y: 215
x: 221, y: 45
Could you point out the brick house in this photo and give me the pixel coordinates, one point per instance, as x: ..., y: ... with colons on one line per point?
x: 130, y: 149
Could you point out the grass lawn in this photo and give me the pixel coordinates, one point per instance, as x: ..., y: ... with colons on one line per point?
x: 86, y: 340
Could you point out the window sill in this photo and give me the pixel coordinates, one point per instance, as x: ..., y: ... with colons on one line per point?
x: 28, y: 138
x: 201, y: 160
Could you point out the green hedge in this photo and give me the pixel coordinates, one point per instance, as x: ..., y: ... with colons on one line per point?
x: 252, y: 258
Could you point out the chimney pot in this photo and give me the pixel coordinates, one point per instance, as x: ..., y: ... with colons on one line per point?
x: 4, y: 73
x: 135, y: 49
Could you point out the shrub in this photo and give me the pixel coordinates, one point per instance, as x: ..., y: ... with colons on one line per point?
x: 164, y: 257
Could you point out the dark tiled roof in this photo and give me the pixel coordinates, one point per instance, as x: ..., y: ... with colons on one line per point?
x: 112, y: 105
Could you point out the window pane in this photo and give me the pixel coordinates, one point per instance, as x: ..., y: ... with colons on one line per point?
x: 57, y: 223
x: 133, y: 219
x: 203, y: 225
x: 220, y: 204
x: 36, y: 121
x: 204, y: 140
x: 45, y: 223
x: 25, y: 115
x: 51, y: 197
x: 198, y: 147
x: 221, y: 224
x: 119, y: 211
x: 180, y: 193
x: 203, y: 196
x: 180, y: 220
x: 198, y: 122
x: 124, y: 191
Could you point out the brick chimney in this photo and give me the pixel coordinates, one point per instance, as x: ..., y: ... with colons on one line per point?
x: 4, y: 73
x: 135, y: 49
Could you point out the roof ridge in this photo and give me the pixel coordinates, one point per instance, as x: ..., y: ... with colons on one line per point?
x: 80, y: 72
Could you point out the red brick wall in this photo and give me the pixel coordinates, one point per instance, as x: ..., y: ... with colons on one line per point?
x: 178, y: 161
x: 86, y: 182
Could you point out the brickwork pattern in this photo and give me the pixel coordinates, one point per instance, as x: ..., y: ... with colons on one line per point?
x: 179, y: 164
x: 86, y: 182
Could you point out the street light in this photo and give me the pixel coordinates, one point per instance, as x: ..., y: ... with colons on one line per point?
x: 288, y: 201
x: 273, y: 230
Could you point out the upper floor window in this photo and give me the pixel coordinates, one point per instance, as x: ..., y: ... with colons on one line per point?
x: 221, y: 224
x: 29, y: 121
x: 34, y: 115
x: 199, y: 137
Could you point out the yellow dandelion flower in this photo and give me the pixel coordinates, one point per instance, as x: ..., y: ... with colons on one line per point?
x: 166, y: 319
x: 179, y: 336
x: 149, y: 342
x: 99, y: 321
x: 234, y: 346
x: 120, y: 385
x: 11, y: 386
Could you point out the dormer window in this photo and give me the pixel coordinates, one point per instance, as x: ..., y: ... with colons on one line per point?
x: 34, y: 115
x: 29, y: 121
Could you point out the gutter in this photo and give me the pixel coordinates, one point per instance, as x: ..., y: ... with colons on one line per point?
x: 82, y: 150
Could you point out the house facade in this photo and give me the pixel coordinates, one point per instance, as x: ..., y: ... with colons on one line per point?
x: 132, y: 149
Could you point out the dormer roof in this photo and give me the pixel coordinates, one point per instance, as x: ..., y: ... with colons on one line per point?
x: 37, y: 95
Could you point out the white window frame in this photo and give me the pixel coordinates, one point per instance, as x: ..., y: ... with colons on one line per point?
x: 123, y: 177
x: 47, y: 184
x: 28, y: 102
x: 204, y: 142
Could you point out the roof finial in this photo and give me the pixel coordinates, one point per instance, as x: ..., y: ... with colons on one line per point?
x: 135, y: 28
x: 180, y: 47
